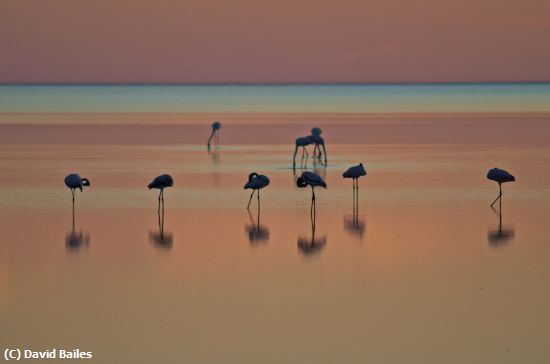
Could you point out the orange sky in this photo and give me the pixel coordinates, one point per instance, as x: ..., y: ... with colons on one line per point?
x: 197, y: 41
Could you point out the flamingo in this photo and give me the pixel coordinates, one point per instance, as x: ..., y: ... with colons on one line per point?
x: 256, y: 182
x: 74, y: 181
x: 313, y: 180
x: 318, y: 141
x: 355, y: 173
x: 302, y: 142
x: 161, y: 182
x: 216, y: 125
x: 500, y: 176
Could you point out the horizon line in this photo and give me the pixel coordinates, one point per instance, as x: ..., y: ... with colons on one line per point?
x: 270, y: 83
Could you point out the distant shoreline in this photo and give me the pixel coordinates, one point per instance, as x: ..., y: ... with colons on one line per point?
x: 275, y: 84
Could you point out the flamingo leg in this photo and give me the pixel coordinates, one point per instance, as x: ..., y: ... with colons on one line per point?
x: 324, y: 152
x: 499, y: 195
x: 258, y: 195
x: 250, y: 199
x: 294, y: 157
x: 210, y: 138
x: 159, y: 202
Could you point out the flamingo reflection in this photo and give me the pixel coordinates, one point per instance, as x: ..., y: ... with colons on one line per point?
x: 313, y: 245
x: 257, y: 233
x: 502, y: 235
x: 75, y: 240
x: 160, y: 238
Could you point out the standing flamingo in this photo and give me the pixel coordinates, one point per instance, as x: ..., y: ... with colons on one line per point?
x: 313, y: 180
x: 318, y: 141
x: 216, y: 125
x: 355, y: 173
x: 302, y: 142
x: 161, y: 182
x: 500, y: 176
x: 74, y: 181
x: 255, y: 182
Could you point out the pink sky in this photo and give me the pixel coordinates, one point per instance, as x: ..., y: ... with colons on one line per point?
x: 197, y: 41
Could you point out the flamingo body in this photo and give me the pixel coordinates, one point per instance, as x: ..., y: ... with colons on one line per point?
x: 500, y: 176
x: 256, y: 181
x: 74, y: 181
x: 310, y: 179
x: 355, y: 172
x: 161, y: 182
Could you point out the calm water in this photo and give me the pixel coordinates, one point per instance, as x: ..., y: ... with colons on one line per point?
x: 425, y: 272
x: 268, y: 99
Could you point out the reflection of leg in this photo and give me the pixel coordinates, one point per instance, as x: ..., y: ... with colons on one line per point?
x: 250, y: 199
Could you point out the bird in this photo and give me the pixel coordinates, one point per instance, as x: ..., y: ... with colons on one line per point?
x: 74, y: 181
x: 313, y: 180
x: 216, y: 125
x: 302, y: 142
x: 319, y: 142
x: 255, y: 182
x: 355, y: 173
x: 500, y: 176
x: 161, y: 182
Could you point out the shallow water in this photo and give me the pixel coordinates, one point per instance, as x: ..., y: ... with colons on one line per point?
x: 426, y: 272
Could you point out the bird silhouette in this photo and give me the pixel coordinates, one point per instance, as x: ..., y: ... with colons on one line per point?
x: 500, y: 176
x: 355, y: 173
x: 215, y: 133
x: 256, y: 182
x: 319, y: 142
x: 313, y: 180
x: 161, y: 182
x: 74, y: 181
x: 301, y: 142
x: 316, y: 132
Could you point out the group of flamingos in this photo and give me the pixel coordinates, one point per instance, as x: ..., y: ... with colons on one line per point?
x: 256, y: 181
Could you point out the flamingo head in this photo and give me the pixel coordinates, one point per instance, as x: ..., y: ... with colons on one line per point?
x: 85, y: 182
x: 252, y: 175
x: 300, y: 182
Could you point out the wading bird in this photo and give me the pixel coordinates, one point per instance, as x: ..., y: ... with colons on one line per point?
x: 302, y: 142
x: 313, y: 180
x: 74, y: 181
x: 319, y: 142
x: 355, y: 173
x: 216, y: 125
x: 161, y: 182
x: 500, y: 176
x: 255, y: 182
